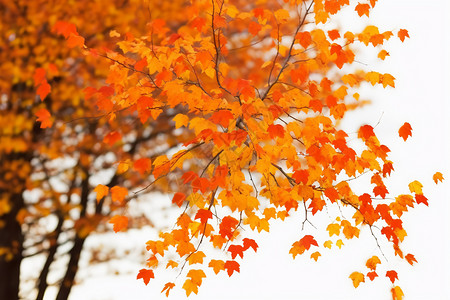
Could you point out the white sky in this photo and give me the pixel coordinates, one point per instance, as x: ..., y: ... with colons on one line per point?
x: 420, y: 66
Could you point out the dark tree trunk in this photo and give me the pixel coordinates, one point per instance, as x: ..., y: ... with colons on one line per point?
x: 11, y: 246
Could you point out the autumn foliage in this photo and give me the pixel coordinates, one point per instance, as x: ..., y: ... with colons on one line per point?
x: 247, y: 97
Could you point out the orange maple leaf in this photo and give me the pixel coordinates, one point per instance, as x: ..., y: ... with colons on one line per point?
x: 362, y: 9
x: 119, y: 222
x: 217, y: 265
x: 405, y: 131
x: 357, y: 278
x: 75, y: 40
x: 167, y: 287
x: 304, y: 38
x: 101, y: 190
x: 118, y: 193
x: 44, y: 117
x: 222, y: 117
x: 307, y: 241
x: 438, y: 177
x: 410, y: 259
x: 402, y: 34
x: 146, y: 275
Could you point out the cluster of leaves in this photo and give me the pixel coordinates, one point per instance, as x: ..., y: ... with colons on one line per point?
x: 50, y: 167
x: 259, y: 90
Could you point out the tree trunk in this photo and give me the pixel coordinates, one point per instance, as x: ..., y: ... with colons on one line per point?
x: 11, y: 246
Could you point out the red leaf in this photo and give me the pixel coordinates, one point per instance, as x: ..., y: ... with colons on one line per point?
x: 64, y: 28
x: 112, y: 137
x: 392, y: 275
x: 231, y: 266
x: 275, y: 130
x: 203, y: 215
x: 228, y: 223
x: 254, y: 28
x: 405, y: 131
x: 334, y: 34
x: 39, y: 76
x: 219, y: 22
x: 365, y: 132
x: 304, y: 38
x: 178, y: 199
x: 421, y: 199
x: 43, y: 90
x: 222, y: 117
x: 44, y: 117
x: 140, y: 65
x: 301, y: 176
x: 250, y: 243
x: 307, y: 241
x: 146, y: 275
x: 142, y: 165
x: 236, y: 250
x: 372, y: 275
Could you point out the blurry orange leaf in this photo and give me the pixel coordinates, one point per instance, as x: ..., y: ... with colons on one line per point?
x: 64, y: 28
x: 75, y: 40
x: 143, y: 165
x: 118, y: 193
x: 405, y: 131
x: 44, y: 117
x: 101, y: 190
x: 112, y: 137
x: 119, y: 222
x: 146, y: 275
x: 220, y: 22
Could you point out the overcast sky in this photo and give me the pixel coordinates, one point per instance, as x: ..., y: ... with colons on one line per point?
x: 420, y: 66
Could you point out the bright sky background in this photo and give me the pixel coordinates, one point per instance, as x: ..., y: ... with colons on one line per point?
x: 420, y: 66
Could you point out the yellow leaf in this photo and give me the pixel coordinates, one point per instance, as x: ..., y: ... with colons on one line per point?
x: 327, y: 244
x: 334, y: 229
x: 357, y: 278
x: 373, y: 77
x: 181, y: 120
x: 281, y: 15
x: 416, y: 187
x: 339, y: 243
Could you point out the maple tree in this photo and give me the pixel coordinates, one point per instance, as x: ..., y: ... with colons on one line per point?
x: 247, y: 98
x: 54, y: 146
